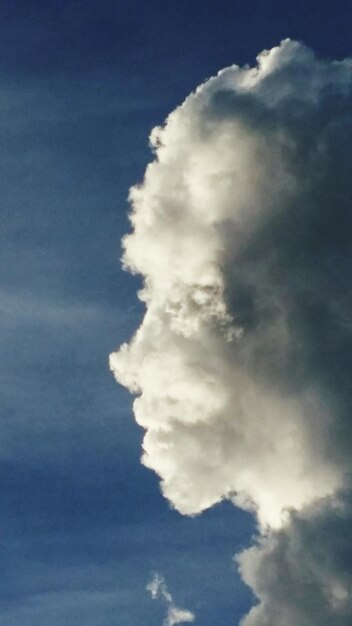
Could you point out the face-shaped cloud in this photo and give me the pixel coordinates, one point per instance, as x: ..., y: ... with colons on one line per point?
x: 242, y: 230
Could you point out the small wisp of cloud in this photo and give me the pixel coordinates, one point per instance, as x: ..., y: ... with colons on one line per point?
x: 175, y: 615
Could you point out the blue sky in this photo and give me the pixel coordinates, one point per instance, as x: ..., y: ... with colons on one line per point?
x: 82, y: 83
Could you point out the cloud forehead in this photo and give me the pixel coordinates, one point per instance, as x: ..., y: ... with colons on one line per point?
x: 242, y: 231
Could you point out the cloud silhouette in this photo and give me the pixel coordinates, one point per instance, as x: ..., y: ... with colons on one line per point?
x: 242, y: 231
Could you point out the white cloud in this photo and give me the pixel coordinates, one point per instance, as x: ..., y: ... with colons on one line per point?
x: 178, y: 616
x: 242, y: 230
x: 158, y: 589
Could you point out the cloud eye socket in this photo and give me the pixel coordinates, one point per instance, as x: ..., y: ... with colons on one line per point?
x: 241, y: 304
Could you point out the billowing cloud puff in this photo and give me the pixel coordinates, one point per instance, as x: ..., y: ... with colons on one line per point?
x: 302, y: 573
x: 242, y: 231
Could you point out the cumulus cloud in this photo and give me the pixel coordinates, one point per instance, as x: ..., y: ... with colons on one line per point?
x: 158, y: 589
x: 302, y: 573
x: 242, y: 231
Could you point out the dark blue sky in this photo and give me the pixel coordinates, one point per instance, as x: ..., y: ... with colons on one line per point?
x: 81, y: 84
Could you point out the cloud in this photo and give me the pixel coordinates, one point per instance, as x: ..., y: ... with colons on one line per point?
x: 302, y: 573
x: 158, y: 589
x: 242, y: 231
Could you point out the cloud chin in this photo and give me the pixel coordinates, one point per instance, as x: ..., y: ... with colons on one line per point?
x: 242, y: 231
